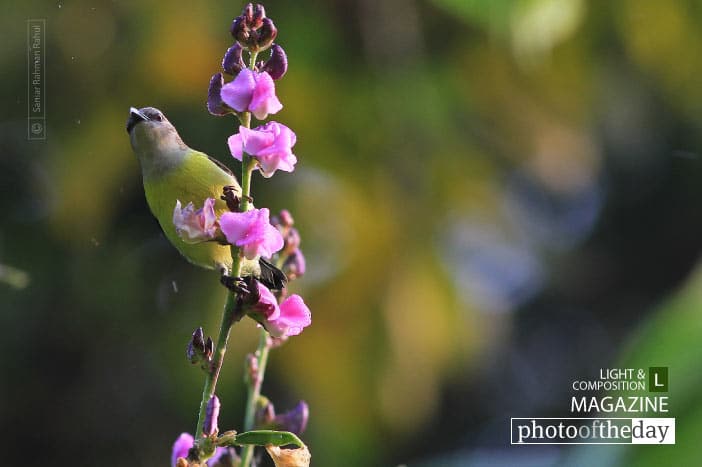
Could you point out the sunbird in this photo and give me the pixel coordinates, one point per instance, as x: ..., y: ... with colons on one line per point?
x: 172, y: 172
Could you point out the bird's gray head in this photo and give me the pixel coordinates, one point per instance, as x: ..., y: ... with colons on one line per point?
x: 154, y: 139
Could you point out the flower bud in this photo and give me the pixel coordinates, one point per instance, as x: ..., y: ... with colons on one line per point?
x: 294, y: 420
x: 248, y: 12
x: 259, y: 14
x: 241, y: 32
x: 209, y: 349
x: 198, y: 339
x: 291, y: 241
x: 215, y: 105
x: 267, y: 34
x: 251, y: 369
x: 252, y: 29
x: 286, y: 219
x: 295, y: 265
x: 211, y: 417
x: 282, y: 221
x: 233, y: 63
x: 196, y: 347
x: 277, y: 64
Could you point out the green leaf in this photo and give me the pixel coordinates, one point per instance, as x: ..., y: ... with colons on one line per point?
x: 265, y: 437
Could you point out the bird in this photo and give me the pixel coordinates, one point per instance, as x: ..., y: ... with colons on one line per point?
x: 172, y: 171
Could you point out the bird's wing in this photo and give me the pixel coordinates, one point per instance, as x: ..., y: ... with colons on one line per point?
x: 220, y: 165
x: 271, y: 276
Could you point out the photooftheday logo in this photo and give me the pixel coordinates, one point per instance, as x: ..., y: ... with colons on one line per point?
x: 644, y: 396
x: 592, y: 430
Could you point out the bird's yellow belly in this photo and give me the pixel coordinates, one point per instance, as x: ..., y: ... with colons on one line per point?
x: 162, y: 193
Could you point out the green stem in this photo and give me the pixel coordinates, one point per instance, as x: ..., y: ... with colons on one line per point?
x: 245, y: 119
x: 230, y: 315
x: 254, y: 393
x: 252, y: 60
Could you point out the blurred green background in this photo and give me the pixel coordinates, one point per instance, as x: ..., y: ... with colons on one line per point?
x: 496, y: 198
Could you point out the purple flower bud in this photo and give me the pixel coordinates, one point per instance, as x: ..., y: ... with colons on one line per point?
x: 292, y: 241
x: 199, y: 338
x: 247, y: 12
x: 294, y: 420
x: 295, y: 265
x: 239, y: 30
x: 286, y: 218
x: 209, y: 348
x: 259, y: 14
x: 252, y: 29
x: 196, y: 347
x: 211, y: 416
x: 277, y: 64
x: 214, y: 98
x: 233, y: 63
x: 251, y: 368
x: 266, y: 34
x: 282, y: 221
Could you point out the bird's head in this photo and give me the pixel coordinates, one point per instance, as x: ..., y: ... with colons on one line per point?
x: 154, y: 139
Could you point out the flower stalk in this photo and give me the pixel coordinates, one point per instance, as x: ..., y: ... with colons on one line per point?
x: 228, y: 319
x: 256, y: 287
x: 232, y: 307
x: 254, y: 382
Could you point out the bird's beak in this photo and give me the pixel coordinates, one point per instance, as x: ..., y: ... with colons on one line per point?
x: 135, y: 117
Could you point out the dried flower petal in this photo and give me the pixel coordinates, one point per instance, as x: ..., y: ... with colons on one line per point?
x: 299, y: 457
x: 195, y: 226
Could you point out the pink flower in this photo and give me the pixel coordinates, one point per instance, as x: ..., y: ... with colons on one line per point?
x: 181, y: 447
x: 270, y: 144
x: 294, y: 317
x: 267, y: 304
x: 195, y: 226
x: 288, y: 319
x: 252, y: 91
x: 252, y: 232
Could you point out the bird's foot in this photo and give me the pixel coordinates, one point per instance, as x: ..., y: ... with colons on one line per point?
x: 229, y: 195
x: 237, y: 285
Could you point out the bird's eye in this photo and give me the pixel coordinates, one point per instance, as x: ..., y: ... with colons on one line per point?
x: 158, y: 117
